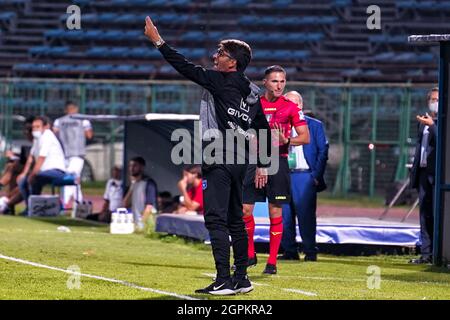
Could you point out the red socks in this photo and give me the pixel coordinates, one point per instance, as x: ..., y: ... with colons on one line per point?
x: 276, y: 231
x: 250, y: 227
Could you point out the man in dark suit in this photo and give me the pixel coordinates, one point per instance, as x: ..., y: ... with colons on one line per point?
x: 423, y: 174
x: 307, y: 165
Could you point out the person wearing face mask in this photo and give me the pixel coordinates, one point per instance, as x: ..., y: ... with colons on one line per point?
x: 423, y: 175
x: 48, y: 158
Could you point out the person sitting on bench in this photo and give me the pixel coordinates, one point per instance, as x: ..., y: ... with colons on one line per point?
x: 49, y: 161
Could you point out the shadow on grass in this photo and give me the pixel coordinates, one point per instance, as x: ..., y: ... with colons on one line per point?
x: 69, y: 222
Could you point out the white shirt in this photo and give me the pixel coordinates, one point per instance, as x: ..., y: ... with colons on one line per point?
x: 49, y: 147
x: 113, y: 193
x: 35, y: 149
x: 424, y: 146
x: 300, y: 156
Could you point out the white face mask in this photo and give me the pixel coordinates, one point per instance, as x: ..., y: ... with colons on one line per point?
x: 37, y: 134
x: 433, y: 106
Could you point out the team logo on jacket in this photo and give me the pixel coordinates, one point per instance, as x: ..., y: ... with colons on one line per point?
x: 245, y: 106
x: 204, y: 184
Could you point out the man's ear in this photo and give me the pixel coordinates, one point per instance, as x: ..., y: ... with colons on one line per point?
x: 233, y: 64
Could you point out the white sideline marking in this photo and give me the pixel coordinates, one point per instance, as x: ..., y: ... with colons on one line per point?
x: 128, y: 284
x: 306, y: 293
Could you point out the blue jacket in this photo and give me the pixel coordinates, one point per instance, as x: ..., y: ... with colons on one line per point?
x: 316, y: 151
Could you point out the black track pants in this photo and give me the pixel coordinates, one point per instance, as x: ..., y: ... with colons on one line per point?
x: 222, y: 197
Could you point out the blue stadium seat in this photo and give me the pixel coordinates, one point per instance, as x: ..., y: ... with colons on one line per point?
x: 167, y: 69
x: 118, y: 52
x: 146, y: 68
x: 299, y: 54
x: 197, y: 53
x: 63, y: 67
x: 97, y: 52
x: 426, y: 57
x: 106, y: 17
x: 39, y: 50
x: 124, y: 68
x: 197, y: 36
x: 248, y: 20
x: 6, y: 16
x: 103, y: 67
x: 342, y: 3
x: 404, y: 57
x: 386, y: 56
x: 262, y: 54
x: 57, y: 33
x: 113, y: 35
x: 281, y: 3
x: 87, y: 17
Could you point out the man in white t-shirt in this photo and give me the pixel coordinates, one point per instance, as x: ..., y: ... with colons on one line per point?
x: 48, y: 160
x: 73, y: 134
x: 112, y: 198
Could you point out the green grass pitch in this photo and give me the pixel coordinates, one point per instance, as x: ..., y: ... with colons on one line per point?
x: 173, y: 266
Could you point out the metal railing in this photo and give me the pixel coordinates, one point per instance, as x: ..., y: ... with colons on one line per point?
x: 371, y: 127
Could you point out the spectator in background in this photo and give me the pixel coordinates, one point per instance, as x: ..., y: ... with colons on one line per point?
x: 166, y: 203
x: 73, y: 134
x: 141, y: 196
x: 423, y: 172
x: 191, y: 189
x: 48, y: 157
x: 12, y: 171
x: 307, y: 164
x: 112, y: 198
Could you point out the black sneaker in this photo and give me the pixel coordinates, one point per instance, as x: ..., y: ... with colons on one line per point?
x: 242, y: 285
x: 420, y: 260
x: 270, y: 269
x: 218, y: 288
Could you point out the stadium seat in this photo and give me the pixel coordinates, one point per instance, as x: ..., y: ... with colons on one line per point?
x: 97, y: 52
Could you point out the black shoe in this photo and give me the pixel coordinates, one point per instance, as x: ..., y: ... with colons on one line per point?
x: 242, y: 285
x: 288, y: 256
x: 310, y: 257
x: 420, y: 260
x: 218, y: 288
x: 270, y: 269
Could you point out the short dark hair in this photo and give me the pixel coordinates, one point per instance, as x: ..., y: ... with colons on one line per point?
x: 274, y: 68
x: 29, y: 120
x: 434, y: 89
x: 70, y: 102
x: 238, y: 50
x: 139, y: 160
x: 194, y: 169
x: 45, y: 120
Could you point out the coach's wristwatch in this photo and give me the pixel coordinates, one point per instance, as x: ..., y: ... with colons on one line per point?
x: 159, y: 43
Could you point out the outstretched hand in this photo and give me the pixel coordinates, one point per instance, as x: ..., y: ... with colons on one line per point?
x: 279, y: 134
x: 150, y: 30
x: 426, y: 120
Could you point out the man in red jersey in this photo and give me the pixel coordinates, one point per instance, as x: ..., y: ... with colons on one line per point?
x: 282, y: 115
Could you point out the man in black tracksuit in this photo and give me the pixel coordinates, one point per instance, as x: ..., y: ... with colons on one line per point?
x: 230, y: 104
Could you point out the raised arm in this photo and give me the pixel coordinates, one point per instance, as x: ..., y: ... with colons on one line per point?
x: 209, y: 79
